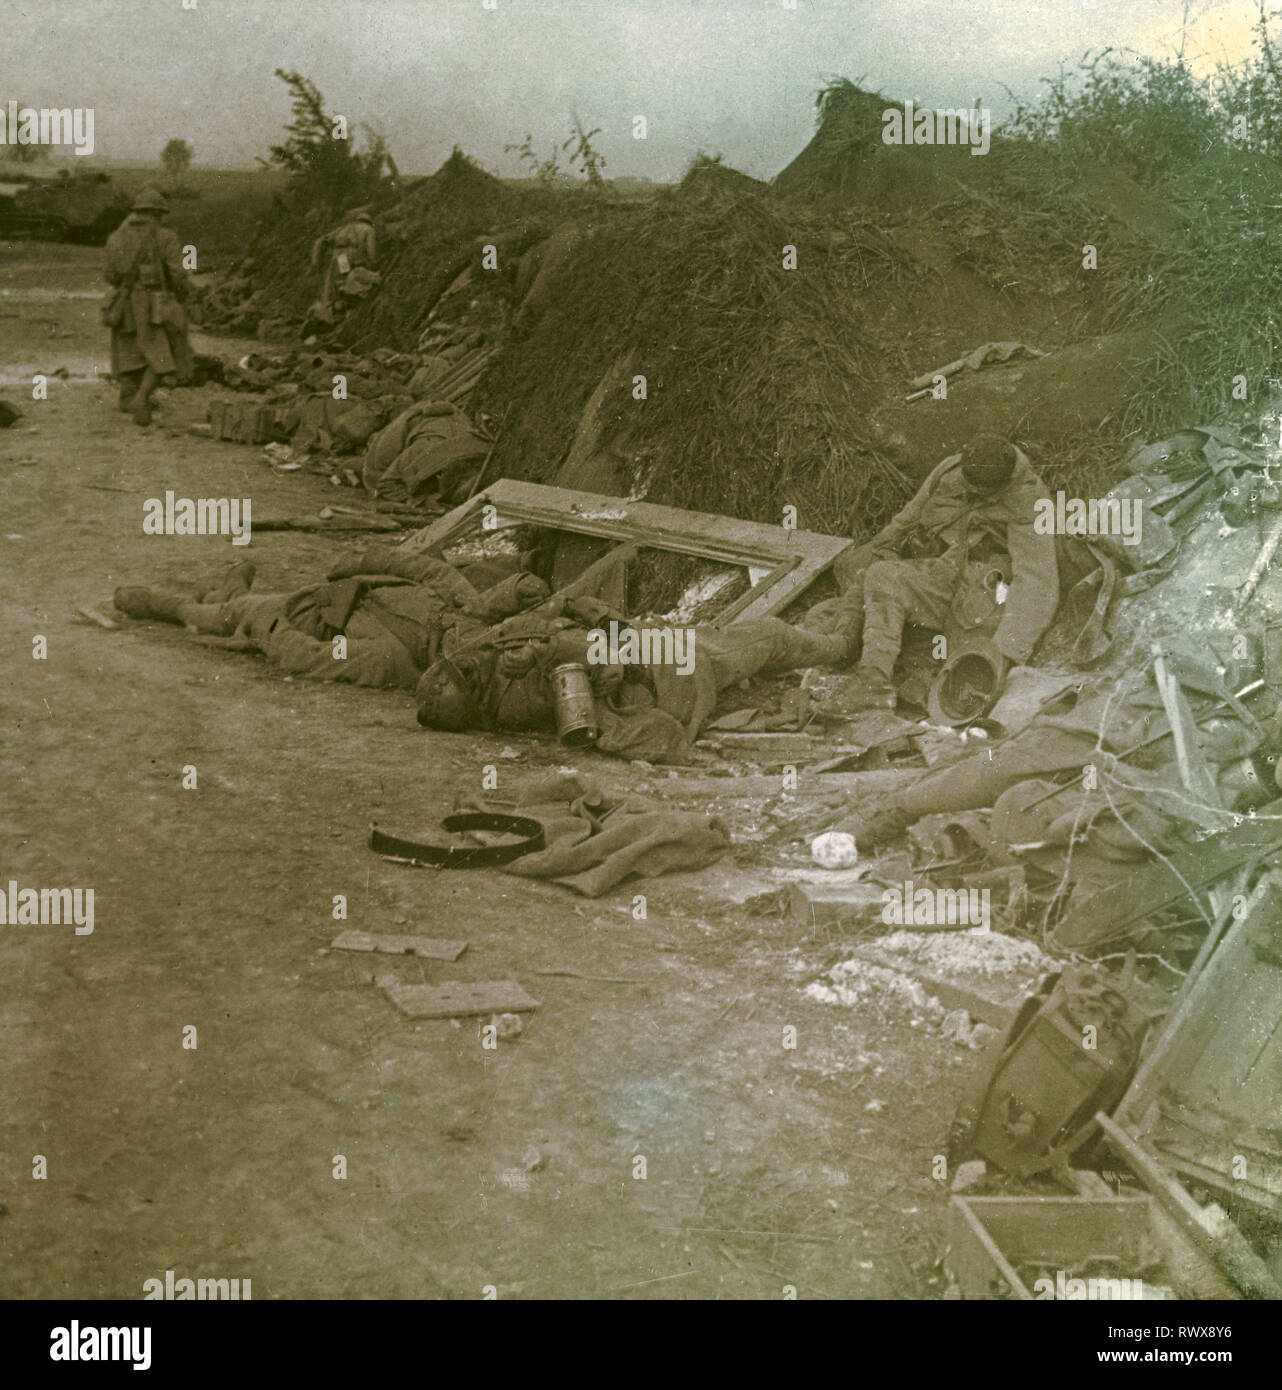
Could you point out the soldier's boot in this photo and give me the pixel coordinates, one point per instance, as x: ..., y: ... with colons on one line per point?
x: 129, y: 383
x: 833, y: 648
x: 138, y: 602
x: 141, y: 410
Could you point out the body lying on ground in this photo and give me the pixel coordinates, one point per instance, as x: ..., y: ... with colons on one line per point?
x: 935, y: 562
x: 481, y: 660
x: 646, y: 711
x: 396, y: 612
x: 1090, y: 784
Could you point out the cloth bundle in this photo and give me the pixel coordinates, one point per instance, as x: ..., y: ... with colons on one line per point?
x: 594, y: 844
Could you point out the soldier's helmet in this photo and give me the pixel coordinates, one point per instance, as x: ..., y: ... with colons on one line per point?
x: 150, y: 200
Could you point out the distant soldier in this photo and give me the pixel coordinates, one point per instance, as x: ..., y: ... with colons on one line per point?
x: 145, y: 313
x: 348, y: 248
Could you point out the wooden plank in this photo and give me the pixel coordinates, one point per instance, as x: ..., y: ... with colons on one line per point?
x: 761, y: 586
x: 817, y: 905
x: 1206, y: 1090
x: 438, y: 535
x: 1270, y: 545
x: 459, y: 998
x: 975, y: 1228
x: 1135, y: 1103
x: 596, y: 514
x: 1194, y: 772
x: 1065, y: 1231
x: 794, y: 559
x: 780, y: 747
x: 881, y: 781
x: 766, y: 602
x: 732, y: 548
x: 1062, y: 1232
x: 430, y: 947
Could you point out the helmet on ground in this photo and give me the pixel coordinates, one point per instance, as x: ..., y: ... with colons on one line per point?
x: 968, y: 685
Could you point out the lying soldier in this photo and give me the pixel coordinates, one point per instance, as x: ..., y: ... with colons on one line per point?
x: 481, y: 660
x: 395, y: 611
x: 651, y: 712
x: 972, y: 518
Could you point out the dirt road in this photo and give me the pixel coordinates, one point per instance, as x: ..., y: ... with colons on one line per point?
x: 513, y: 1169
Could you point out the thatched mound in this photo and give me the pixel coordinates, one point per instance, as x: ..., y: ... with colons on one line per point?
x: 757, y: 377
x: 848, y: 159
x: 768, y: 387
x: 425, y: 234
x: 709, y: 178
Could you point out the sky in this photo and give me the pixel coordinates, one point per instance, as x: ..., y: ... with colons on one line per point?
x: 730, y: 77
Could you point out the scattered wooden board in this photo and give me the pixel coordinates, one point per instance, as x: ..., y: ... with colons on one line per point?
x: 992, y: 1237
x: 459, y: 998
x: 879, y: 781
x: 1219, y: 1241
x: 382, y: 525
x: 94, y: 616
x: 406, y: 945
x: 777, y: 747
x: 817, y: 904
x: 789, y: 561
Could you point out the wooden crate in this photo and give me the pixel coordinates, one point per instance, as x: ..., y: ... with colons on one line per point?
x: 244, y: 419
x: 990, y: 1237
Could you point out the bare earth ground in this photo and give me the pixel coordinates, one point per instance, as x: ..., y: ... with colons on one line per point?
x: 465, y: 1168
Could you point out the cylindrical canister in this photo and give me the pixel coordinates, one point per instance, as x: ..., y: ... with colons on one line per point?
x: 575, y: 710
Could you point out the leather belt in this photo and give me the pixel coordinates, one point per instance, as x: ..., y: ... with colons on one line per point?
x: 465, y: 856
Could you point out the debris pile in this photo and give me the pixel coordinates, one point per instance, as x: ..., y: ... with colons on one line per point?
x: 859, y: 982
x: 976, y: 953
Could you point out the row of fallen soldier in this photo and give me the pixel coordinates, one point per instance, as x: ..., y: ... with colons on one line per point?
x: 478, y: 645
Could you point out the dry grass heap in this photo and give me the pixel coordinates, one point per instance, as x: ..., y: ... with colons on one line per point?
x: 768, y: 387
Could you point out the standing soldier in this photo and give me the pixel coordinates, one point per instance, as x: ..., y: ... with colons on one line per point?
x: 145, y: 313
x: 347, y: 248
